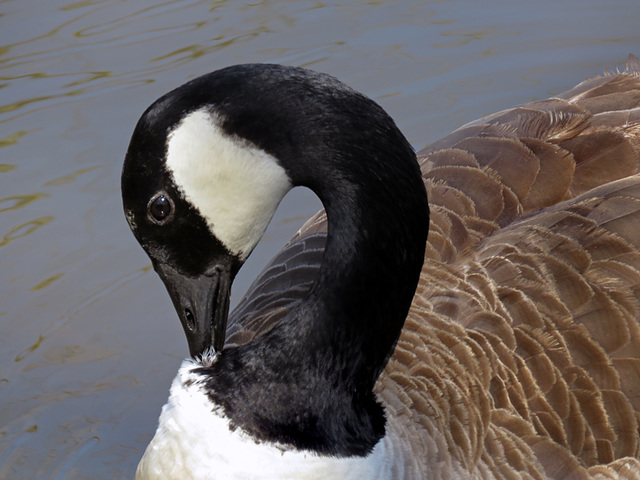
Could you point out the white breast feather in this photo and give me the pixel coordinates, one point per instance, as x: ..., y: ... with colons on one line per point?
x: 193, y: 441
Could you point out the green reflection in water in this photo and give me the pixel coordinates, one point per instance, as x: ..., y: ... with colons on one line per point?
x: 70, y: 177
x: 29, y: 349
x: 90, y: 77
x: 47, y: 282
x: 11, y: 107
x: 13, y: 138
x: 20, y: 201
x: 24, y: 230
x: 73, y: 6
x: 6, y: 167
x: 198, y: 50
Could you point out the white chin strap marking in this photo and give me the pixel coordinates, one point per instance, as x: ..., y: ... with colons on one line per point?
x: 235, y: 186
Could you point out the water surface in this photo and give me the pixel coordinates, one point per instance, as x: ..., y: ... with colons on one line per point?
x: 89, y: 341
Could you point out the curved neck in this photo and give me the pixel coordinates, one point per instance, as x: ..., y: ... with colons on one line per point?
x: 309, y: 381
x: 377, y: 229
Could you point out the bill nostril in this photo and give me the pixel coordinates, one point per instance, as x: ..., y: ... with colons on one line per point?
x: 190, y: 319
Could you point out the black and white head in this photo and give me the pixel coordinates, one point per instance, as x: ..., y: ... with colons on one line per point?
x: 198, y: 197
x: 209, y: 162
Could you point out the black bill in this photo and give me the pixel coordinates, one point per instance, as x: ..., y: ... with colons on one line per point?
x: 202, y: 304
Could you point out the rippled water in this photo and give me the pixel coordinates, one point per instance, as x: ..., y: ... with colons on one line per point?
x: 88, y: 338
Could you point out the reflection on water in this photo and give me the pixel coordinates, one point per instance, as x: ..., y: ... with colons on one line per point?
x: 19, y: 201
x: 70, y: 177
x: 88, y: 339
x: 23, y: 230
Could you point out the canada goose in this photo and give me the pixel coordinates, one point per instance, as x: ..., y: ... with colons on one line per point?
x: 508, y: 347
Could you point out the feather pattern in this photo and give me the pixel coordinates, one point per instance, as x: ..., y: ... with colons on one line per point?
x: 520, y: 357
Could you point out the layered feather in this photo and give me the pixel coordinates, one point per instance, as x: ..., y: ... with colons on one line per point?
x: 520, y: 357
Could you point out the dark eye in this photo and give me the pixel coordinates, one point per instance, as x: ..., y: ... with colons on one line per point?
x: 160, y: 209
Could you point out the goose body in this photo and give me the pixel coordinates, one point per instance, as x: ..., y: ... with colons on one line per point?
x: 505, y: 346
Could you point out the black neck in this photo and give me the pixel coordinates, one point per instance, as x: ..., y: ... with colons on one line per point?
x: 308, y: 382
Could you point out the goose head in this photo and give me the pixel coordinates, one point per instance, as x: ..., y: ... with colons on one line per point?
x: 198, y: 199
x: 207, y: 166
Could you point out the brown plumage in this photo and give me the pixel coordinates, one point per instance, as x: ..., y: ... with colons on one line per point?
x: 520, y: 357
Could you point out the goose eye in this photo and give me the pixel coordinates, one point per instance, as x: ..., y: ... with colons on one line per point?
x: 160, y: 209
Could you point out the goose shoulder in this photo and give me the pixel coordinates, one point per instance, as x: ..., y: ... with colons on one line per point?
x: 521, y: 352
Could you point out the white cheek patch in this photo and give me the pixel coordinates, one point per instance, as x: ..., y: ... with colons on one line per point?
x: 235, y: 186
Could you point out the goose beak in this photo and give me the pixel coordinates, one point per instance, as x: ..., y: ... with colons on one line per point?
x: 202, y: 304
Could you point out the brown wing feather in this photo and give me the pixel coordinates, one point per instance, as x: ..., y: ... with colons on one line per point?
x: 520, y: 357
